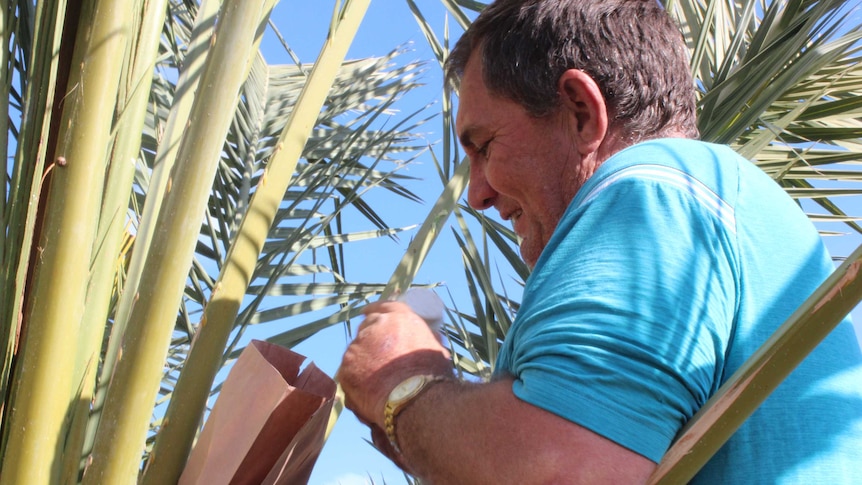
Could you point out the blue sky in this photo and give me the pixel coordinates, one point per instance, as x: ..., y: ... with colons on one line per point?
x: 347, y: 458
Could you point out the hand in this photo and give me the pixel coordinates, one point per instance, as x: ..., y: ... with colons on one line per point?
x: 392, y: 344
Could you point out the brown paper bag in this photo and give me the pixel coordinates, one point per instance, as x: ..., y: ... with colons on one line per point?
x: 268, y: 423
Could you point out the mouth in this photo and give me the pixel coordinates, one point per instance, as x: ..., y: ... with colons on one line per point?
x: 511, y: 215
x: 514, y: 217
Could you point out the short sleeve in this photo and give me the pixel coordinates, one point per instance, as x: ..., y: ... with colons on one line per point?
x: 625, y: 320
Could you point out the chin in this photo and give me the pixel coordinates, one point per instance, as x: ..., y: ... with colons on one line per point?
x: 528, y: 260
x: 530, y: 254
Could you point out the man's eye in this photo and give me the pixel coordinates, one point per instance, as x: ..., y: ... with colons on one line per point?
x: 483, y: 149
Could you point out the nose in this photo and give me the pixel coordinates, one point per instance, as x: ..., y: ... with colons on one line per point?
x: 480, y: 194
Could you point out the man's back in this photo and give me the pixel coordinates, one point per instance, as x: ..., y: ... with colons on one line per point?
x: 810, y: 429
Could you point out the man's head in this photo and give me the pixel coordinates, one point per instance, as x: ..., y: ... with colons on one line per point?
x: 549, y: 89
x: 631, y: 48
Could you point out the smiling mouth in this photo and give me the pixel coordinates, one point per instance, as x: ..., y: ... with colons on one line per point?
x: 514, y: 217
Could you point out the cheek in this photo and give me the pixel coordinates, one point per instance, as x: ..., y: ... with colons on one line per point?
x: 509, y: 173
x: 496, y: 176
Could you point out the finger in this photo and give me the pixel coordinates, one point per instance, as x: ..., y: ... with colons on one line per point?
x: 351, y: 405
x: 373, y: 311
x: 364, y: 421
x: 365, y: 323
x: 384, y: 306
x: 371, y: 317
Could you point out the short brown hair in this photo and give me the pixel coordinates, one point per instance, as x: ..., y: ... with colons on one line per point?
x: 631, y: 48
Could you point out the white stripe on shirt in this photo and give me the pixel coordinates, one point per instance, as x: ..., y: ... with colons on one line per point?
x: 703, y: 194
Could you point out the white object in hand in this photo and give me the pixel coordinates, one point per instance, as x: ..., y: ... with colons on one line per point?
x: 425, y: 303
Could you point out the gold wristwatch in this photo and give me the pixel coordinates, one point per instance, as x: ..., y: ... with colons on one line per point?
x: 399, y: 398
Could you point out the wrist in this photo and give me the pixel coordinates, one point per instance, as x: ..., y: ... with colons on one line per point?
x: 400, y: 398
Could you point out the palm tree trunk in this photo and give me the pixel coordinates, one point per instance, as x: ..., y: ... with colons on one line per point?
x: 38, y: 420
x: 187, y: 85
x: 39, y: 86
x: 188, y: 401
x: 132, y: 113
x: 122, y: 431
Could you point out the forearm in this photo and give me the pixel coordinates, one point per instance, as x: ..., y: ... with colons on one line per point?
x: 469, y: 433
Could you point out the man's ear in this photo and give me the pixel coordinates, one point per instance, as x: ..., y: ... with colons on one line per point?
x: 583, y: 101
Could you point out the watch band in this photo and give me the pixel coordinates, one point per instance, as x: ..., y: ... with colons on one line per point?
x: 394, y: 406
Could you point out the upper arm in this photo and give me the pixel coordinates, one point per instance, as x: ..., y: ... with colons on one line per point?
x: 483, y: 433
x: 561, y: 451
x: 624, y: 325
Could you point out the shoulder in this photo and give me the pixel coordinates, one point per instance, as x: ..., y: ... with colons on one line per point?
x: 705, y: 169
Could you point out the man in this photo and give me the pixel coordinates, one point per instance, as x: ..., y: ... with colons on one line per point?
x: 660, y: 264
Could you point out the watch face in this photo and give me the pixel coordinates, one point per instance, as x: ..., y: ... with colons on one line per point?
x: 406, y: 388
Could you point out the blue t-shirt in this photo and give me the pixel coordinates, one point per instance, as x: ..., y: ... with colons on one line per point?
x: 672, y: 265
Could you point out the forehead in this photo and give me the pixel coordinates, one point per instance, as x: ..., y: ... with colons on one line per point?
x: 474, y: 100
